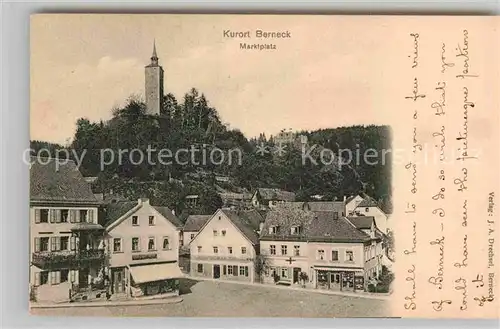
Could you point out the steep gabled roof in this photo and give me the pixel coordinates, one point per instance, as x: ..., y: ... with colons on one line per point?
x: 362, y: 222
x: 167, y: 213
x: 195, y: 222
x: 115, y: 211
x: 58, y: 182
x: 368, y: 202
x: 333, y: 206
x: 276, y: 194
x: 241, y: 222
x: 317, y: 226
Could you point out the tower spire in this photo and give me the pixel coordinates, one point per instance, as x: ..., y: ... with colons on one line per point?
x: 154, y: 57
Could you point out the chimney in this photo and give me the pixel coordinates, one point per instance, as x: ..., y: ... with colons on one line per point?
x: 173, y: 212
x: 345, y: 198
x: 261, y: 226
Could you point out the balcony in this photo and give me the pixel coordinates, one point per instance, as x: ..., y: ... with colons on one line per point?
x: 66, y: 258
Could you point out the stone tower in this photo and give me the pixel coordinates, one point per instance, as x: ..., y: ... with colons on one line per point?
x: 154, y: 85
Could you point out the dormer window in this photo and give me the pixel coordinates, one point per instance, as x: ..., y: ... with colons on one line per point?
x: 274, y: 229
x: 335, y: 215
x: 296, y: 229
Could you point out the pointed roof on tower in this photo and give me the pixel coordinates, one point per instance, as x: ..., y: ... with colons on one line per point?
x: 154, y: 56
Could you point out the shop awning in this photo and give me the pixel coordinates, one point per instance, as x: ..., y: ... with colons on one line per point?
x: 342, y: 269
x: 155, y: 272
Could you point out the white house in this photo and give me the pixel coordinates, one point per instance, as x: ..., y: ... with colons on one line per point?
x: 143, y: 247
x: 225, y: 247
x: 328, y: 249
x: 193, y: 225
x: 66, y: 251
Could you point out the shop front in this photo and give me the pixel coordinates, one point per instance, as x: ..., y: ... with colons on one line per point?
x: 339, y: 279
x: 155, y: 280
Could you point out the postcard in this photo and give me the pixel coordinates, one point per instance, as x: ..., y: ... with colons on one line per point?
x: 313, y: 166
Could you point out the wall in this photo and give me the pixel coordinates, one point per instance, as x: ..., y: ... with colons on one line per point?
x: 126, y: 231
x: 279, y: 261
x: 349, y: 208
x: 232, y: 238
x: 187, y: 236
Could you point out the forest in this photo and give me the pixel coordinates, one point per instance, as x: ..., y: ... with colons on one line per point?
x: 192, y: 121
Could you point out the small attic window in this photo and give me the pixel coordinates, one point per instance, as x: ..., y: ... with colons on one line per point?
x: 335, y: 215
x: 296, y: 229
x: 274, y: 229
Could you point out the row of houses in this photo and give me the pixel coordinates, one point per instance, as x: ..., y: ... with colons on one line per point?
x: 83, y: 247
x: 314, y: 244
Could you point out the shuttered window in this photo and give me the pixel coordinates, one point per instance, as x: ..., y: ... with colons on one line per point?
x: 58, y: 215
x: 37, y: 278
x: 37, y: 216
x: 73, y: 243
x: 52, y: 213
x: 53, y: 243
x: 37, y: 244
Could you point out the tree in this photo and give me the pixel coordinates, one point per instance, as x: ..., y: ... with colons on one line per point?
x: 261, y: 264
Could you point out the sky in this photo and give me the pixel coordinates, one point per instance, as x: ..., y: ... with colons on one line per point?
x: 84, y: 65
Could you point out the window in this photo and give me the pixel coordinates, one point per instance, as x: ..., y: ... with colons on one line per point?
x: 54, y: 277
x: 135, y: 244
x: 216, y: 250
x: 367, y: 209
x: 321, y: 254
x: 335, y: 255
x: 44, y: 277
x: 83, y: 216
x: 200, y: 268
x: 64, y: 275
x: 117, y: 245
x: 64, y: 243
x: 243, y: 270
x: 274, y: 229
x: 349, y: 256
x: 44, y: 216
x: 272, y: 249
x: 53, y: 243
x: 64, y: 215
x: 135, y: 220
x: 44, y: 244
x: 199, y: 248
x: 235, y: 270
x: 230, y: 250
x: 296, y: 250
x: 151, y: 220
x: 192, y: 236
x: 151, y: 244
x: 215, y: 233
x: 166, y: 243
x: 284, y: 272
x: 296, y: 230
x: 229, y: 270
x: 223, y: 232
x: 283, y: 250
x: 243, y: 250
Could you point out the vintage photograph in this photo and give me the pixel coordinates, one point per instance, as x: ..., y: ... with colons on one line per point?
x: 180, y: 166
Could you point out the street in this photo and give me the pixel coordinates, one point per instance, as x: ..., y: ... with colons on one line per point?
x: 221, y: 299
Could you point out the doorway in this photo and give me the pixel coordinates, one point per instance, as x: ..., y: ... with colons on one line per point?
x: 83, y: 277
x: 335, y: 280
x: 118, y: 276
x: 216, y: 271
x: 296, y: 273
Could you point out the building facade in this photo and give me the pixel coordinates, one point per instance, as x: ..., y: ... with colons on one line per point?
x: 193, y: 225
x: 225, y: 248
x: 67, y: 255
x: 318, y: 248
x: 143, y: 244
